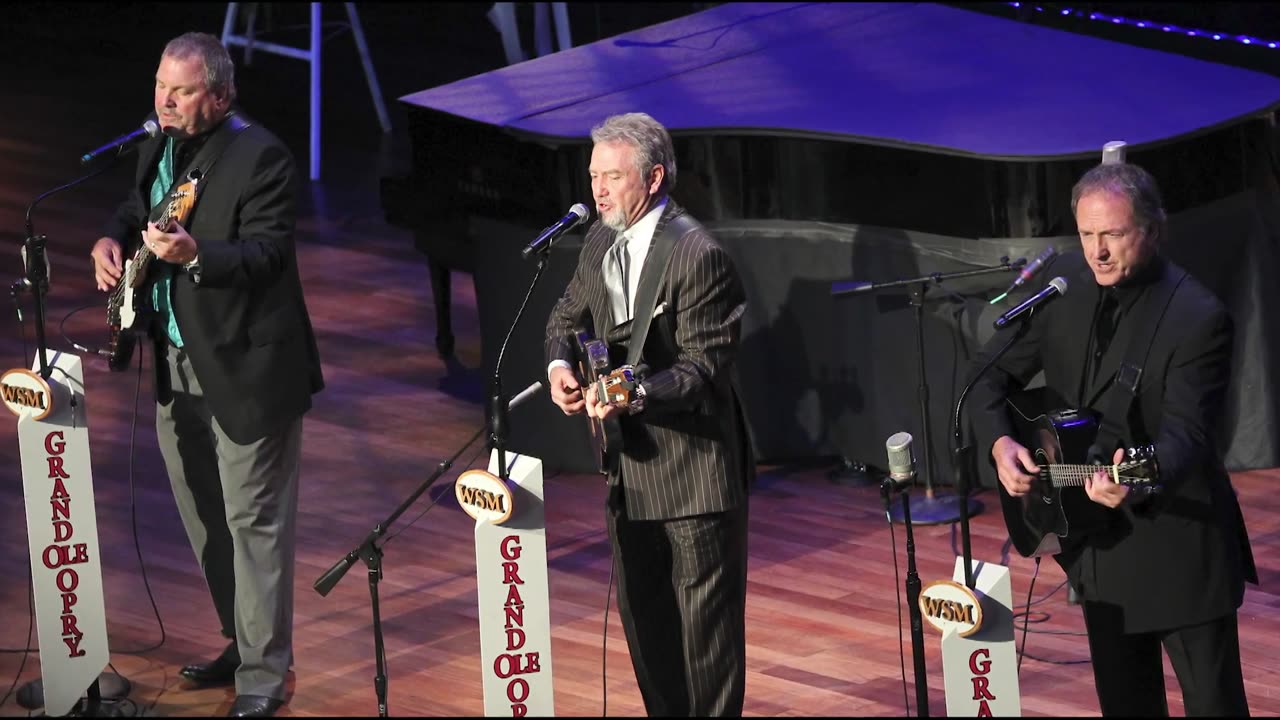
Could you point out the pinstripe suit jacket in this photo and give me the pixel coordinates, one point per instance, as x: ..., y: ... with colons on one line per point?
x: 687, y: 453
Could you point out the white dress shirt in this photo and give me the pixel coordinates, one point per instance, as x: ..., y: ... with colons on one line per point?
x: 639, y: 238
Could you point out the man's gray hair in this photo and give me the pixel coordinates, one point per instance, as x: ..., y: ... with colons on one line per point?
x: 219, y: 71
x: 1128, y: 181
x: 651, y: 141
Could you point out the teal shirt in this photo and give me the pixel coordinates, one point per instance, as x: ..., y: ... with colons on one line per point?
x: 162, y: 291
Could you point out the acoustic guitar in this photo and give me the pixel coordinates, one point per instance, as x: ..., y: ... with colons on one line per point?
x: 612, y: 387
x: 1057, y: 507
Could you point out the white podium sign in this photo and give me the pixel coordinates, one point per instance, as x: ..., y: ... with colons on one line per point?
x: 62, y: 533
x: 511, y: 582
x: 979, y: 664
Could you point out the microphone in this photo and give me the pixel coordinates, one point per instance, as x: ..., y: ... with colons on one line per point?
x: 150, y: 128
x: 1031, y: 269
x: 902, y: 463
x: 577, y: 214
x: 524, y: 394
x: 1056, y: 286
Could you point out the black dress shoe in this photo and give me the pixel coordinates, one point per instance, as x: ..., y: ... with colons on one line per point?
x: 254, y: 706
x: 219, y: 672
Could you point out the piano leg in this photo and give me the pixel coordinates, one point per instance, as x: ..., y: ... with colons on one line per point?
x: 441, y: 294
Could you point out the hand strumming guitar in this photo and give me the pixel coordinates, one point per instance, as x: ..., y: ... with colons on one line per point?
x: 566, y: 391
x: 108, y: 264
x: 1014, y: 466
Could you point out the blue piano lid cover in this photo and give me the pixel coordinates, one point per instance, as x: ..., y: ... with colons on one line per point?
x: 914, y: 75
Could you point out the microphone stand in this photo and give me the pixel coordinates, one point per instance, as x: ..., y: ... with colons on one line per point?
x: 936, y: 508
x: 913, y: 596
x: 497, y: 406
x: 369, y: 551
x: 962, y: 457
x: 36, y: 268
x: 107, y: 686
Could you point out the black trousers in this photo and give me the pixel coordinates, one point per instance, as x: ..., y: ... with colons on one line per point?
x: 1129, y: 672
x: 682, y: 587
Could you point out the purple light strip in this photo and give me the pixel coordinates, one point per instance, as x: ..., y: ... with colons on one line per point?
x: 1191, y: 32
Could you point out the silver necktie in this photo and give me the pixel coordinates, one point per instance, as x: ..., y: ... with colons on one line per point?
x: 616, y: 263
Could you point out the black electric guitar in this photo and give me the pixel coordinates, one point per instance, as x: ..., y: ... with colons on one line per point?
x: 1057, y: 507
x: 596, y: 374
x: 127, y: 305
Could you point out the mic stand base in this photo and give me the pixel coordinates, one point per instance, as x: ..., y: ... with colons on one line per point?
x: 111, y: 688
x: 936, y: 509
x: 851, y: 473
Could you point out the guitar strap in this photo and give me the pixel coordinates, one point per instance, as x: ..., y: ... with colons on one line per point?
x: 647, y: 292
x: 208, y: 154
x: 1124, y: 390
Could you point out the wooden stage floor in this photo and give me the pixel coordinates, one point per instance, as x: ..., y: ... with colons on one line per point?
x: 827, y: 630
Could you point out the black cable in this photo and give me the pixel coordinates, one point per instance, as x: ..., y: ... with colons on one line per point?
x: 604, y: 644
x: 1044, y: 617
x: 1026, y: 616
x: 897, y: 584
x: 133, y: 511
x: 22, y: 325
x: 62, y: 325
x: 26, y: 652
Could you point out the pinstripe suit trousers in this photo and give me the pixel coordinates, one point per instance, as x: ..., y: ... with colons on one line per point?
x: 682, y: 588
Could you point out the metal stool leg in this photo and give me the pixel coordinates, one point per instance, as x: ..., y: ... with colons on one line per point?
x: 369, y: 75
x: 315, y: 90
x: 561, y: 13
x: 312, y: 56
x: 229, y: 23
x: 248, y: 45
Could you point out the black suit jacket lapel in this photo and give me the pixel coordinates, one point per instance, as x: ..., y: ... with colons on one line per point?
x: 1140, y: 311
x: 1079, y: 328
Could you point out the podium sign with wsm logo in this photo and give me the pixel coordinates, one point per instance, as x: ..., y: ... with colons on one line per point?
x: 511, y: 584
x: 62, y: 527
x: 979, y: 659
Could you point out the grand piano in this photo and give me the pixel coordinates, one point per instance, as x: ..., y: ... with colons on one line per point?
x: 830, y: 142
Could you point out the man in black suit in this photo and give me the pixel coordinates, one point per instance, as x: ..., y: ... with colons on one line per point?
x: 236, y: 359
x: 677, y: 509
x: 1168, y: 567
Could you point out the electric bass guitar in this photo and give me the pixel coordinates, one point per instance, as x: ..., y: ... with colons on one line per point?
x: 1057, y: 507
x: 127, y: 305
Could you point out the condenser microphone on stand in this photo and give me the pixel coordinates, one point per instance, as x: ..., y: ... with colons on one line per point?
x: 902, y: 474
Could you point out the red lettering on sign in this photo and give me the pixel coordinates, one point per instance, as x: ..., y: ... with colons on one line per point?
x: 59, y: 490
x: 54, y: 447
x: 511, y: 574
x: 510, y: 547
x: 55, y: 467
x: 980, y: 668
x: 518, y: 690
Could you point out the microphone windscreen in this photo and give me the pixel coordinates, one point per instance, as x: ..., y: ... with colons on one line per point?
x: 901, y: 462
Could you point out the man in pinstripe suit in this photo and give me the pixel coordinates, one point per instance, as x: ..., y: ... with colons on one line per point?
x: 677, y: 508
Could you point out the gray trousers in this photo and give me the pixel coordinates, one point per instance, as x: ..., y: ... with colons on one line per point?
x: 238, y: 504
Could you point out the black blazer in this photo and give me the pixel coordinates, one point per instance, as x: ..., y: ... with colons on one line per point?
x: 243, y: 320
x: 688, y: 452
x: 1182, y: 557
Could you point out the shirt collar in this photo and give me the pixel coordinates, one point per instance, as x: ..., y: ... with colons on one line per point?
x: 644, y: 228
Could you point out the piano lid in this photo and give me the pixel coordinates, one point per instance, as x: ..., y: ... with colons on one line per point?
x: 918, y: 76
